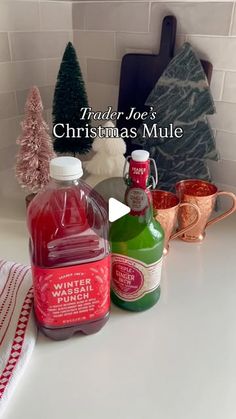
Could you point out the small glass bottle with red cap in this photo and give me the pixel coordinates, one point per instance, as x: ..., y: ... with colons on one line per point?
x: 137, y: 242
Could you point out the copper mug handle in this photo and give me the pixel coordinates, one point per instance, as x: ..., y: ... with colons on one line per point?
x: 226, y: 213
x: 195, y: 221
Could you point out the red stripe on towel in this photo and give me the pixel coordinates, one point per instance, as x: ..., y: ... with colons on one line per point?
x: 7, y: 301
x: 18, y: 341
x: 9, y: 276
x: 10, y: 304
x: 2, y: 263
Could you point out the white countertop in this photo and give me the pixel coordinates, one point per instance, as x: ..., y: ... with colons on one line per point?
x: 174, y: 361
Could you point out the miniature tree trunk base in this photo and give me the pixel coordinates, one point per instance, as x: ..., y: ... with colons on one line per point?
x: 29, y: 198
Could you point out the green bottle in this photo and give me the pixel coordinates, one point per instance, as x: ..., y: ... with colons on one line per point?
x: 137, y: 242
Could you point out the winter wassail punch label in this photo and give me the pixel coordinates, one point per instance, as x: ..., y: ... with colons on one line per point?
x: 70, y: 257
x: 72, y: 294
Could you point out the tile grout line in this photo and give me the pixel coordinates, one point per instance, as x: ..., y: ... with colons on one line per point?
x: 16, y: 102
x: 69, y: 30
x: 224, y: 101
x: 116, y: 59
x: 136, y: 1
x: 35, y: 60
x: 224, y: 130
x: 40, y: 16
x: 99, y: 30
x: 39, y: 31
x: 10, y: 47
x: 232, y: 19
x: 222, y: 87
x: 85, y: 70
x: 149, y: 15
x: 91, y: 57
x: 115, y: 45
x: 72, y: 19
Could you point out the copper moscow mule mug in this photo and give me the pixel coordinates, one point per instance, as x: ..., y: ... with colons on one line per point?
x: 203, y: 194
x: 166, y: 206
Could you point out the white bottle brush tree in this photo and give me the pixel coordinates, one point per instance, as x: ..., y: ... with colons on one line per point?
x: 35, y: 146
x: 107, y: 163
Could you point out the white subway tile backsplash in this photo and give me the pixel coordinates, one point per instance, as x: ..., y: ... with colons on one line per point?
x: 132, y: 42
x: 19, y: 16
x: 9, y: 131
x: 217, y: 84
x: 4, y: 47
x: 179, y: 41
x: 29, y: 73
x: 83, y: 66
x: 226, y: 144
x: 36, y: 45
x: 220, y: 51
x: 229, y: 188
x: 78, y: 16
x: 46, y: 94
x: 194, y: 17
x: 7, y: 157
x: 12, y: 195
x: 6, y: 77
x: 30, y: 54
x: 7, y: 105
x: 224, y: 119
x: 117, y: 16
x: 26, y: 46
x: 103, y: 71
x: 101, y: 96
x: 229, y: 92
x: 52, y: 69
x: 223, y: 171
x: 48, y: 118
x: 146, y: 43
x: 95, y: 44
x: 55, y: 16
x: 233, y: 28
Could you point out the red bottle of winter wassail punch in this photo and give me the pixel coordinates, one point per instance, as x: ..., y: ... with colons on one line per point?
x: 70, y: 256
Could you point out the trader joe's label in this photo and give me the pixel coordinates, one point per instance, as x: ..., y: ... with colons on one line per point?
x: 132, y: 279
x: 69, y: 295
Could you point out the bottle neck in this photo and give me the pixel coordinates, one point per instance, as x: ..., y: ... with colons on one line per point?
x: 138, y: 196
x: 65, y: 183
x: 139, y: 173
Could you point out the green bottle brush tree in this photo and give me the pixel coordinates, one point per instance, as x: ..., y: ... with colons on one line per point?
x: 70, y: 96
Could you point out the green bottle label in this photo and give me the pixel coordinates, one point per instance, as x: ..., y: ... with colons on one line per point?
x: 132, y: 279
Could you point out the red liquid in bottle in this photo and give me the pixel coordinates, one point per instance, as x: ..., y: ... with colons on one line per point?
x: 70, y: 255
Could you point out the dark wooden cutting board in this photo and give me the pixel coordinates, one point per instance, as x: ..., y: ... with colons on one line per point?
x: 140, y: 72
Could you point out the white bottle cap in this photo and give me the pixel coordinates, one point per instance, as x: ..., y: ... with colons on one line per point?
x: 66, y: 168
x: 140, y: 155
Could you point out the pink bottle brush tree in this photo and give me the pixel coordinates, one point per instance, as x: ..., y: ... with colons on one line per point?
x: 35, y: 146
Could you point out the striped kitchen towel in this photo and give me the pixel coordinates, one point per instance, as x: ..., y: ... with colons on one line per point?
x: 18, y: 330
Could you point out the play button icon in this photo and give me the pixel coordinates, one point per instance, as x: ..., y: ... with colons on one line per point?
x: 116, y: 209
x: 112, y: 191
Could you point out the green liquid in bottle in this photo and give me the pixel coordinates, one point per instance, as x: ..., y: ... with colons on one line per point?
x: 137, y: 242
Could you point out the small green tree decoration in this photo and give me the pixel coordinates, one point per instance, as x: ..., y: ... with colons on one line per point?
x: 70, y: 96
